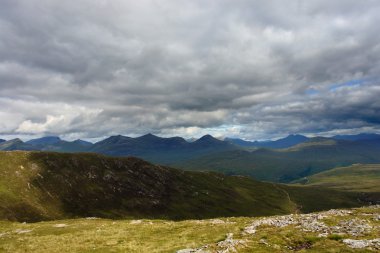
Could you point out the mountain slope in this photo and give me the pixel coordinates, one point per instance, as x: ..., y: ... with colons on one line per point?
x: 160, y: 150
x: 357, y: 137
x: 40, y: 185
x: 286, y: 142
x: 16, y: 144
x: 47, y: 140
x: 357, y: 177
x: 286, y: 165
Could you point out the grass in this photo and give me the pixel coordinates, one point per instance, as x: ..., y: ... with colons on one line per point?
x: 103, y: 235
x: 287, y: 165
x: 358, y: 178
x: 37, y: 186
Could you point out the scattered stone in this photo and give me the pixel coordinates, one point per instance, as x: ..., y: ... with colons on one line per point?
x: 22, y: 231
x: 324, y: 234
x: 334, y: 212
x: 229, y: 244
x: 136, y: 222
x: 60, y: 225
x: 263, y: 241
x: 92, y: 218
x: 313, y: 226
x: 217, y: 221
x: 278, y: 221
x: 200, y: 250
x: 359, y: 244
x: 305, y: 222
x: 354, y: 227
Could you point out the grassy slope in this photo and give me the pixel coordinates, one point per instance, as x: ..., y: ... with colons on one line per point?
x: 102, y: 235
x: 358, y: 177
x: 38, y: 185
x: 288, y: 164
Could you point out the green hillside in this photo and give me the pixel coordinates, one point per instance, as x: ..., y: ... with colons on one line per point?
x: 41, y: 186
x: 286, y: 165
x: 358, y: 177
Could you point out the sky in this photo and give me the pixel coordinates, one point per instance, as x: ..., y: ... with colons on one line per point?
x: 250, y: 69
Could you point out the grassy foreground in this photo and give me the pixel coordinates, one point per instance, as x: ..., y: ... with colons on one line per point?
x: 103, y: 235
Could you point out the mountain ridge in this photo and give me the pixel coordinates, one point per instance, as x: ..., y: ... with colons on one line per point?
x: 48, y: 185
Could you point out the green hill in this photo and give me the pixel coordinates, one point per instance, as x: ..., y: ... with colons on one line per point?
x: 41, y: 186
x: 357, y: 177
x: 286, y: 165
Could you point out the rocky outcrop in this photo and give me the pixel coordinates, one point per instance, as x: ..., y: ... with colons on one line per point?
x: 347, y: 224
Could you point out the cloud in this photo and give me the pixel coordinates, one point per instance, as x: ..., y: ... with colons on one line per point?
x: 94, y: 68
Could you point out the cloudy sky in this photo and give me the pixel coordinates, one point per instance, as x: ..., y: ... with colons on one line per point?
x: 250, y: 69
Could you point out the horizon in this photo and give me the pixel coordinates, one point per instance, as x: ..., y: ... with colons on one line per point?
x: 191, y: 139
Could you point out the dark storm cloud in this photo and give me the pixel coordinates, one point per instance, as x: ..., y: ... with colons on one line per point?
x: 255, y: 69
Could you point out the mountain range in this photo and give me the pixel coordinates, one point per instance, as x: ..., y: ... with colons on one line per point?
x: 282, y: 160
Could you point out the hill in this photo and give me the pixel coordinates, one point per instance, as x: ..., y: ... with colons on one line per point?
x: 208, y: 153
x: 357, y: 177
x: 160, y: 150
x: 48, y: 140
x: 44, y: 185
x: 357, y: 137
x: 286, y: 165
x: 50, y: 143
x: 286, y: 142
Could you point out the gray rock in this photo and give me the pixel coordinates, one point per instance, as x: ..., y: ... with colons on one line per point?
x: 359, y: 244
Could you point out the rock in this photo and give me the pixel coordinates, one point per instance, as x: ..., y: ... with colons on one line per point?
x: 136, y: 222
x: 229, y: 244
x: 359, y: 244
x: 200, y: 250
x: 22, y: 231
x: 354, y: 227
x: 278, y: 221
x: 185, y: 251
x: 217, y: 221
x: 60, y: 225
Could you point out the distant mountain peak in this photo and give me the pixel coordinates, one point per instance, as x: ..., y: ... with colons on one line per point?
x: 82, y: 142
x: 16, y: 140
x: 44, y: 140
x: 148, y: 136
x: 207, y: 137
